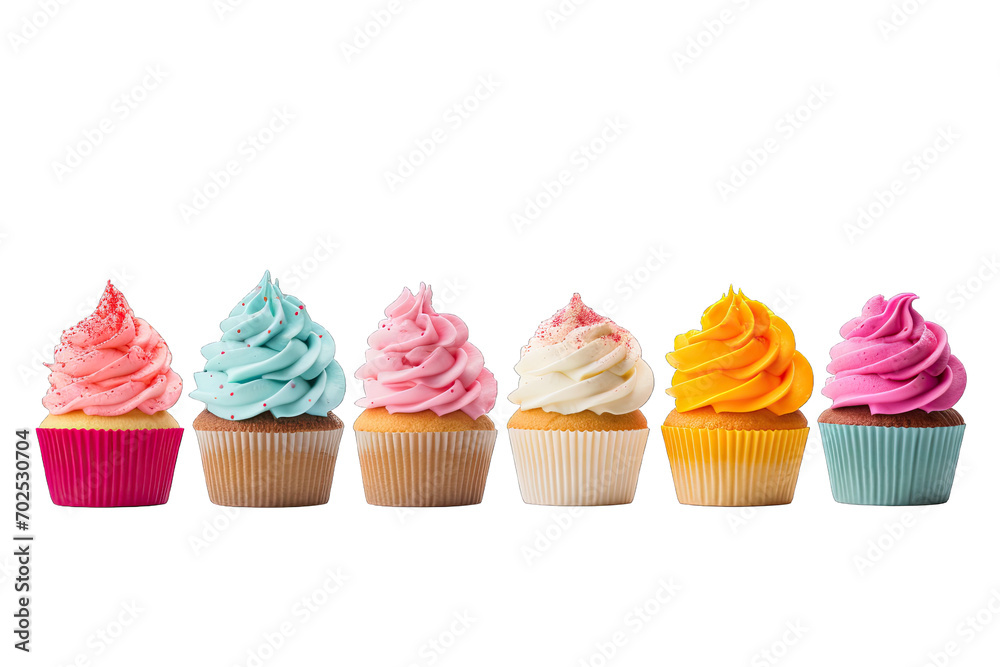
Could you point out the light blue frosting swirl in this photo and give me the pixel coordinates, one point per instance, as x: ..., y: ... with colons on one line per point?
x: 272, y: 357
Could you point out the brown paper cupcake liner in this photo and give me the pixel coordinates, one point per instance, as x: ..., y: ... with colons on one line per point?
x: 253, y: 469
x: 425, y: 469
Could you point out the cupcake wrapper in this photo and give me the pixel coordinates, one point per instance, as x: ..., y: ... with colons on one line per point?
x: 731, y: 468
x: 425, y: 469
x: 883, y: 465
x: 577, y: 467
x: 107, y: 468
x: 249, y: 469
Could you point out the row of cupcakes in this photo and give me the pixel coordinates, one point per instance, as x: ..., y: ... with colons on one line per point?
x: 268, y: 436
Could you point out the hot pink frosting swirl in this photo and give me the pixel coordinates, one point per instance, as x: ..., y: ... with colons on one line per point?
x: 893, y: 361
x: 110, y: 364
x: 422, y: 360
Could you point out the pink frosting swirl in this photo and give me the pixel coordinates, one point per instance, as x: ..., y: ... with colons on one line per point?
x: 422, y: 360
x: 893, y: 361
x: 111, y: 363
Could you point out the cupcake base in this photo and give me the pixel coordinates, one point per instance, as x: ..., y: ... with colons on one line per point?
x: 886, y: 465
x: 578, y: 467
x: 109, y: 468
x: 734, y: 468
x: 425, y: 469
x: 268, y: 462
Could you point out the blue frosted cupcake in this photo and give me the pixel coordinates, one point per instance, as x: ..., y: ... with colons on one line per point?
x: 892, y: 436
x: 268, y: 436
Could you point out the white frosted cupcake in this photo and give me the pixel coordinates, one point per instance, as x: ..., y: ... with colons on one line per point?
x: 578, y: 437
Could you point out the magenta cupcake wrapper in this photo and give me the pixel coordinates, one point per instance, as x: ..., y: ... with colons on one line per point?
x: 105, y: 468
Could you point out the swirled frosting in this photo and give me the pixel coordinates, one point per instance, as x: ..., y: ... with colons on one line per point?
x: 272, y: 357
x: 111, y: 363
x: 743, y: 359
x: 893, y: 361
x: 579, y: 360
x: 420, y: 359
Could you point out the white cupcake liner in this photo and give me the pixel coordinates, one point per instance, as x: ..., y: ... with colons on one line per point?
x: 577, y: 467
x: 252, y: 469
x: 425, y: 469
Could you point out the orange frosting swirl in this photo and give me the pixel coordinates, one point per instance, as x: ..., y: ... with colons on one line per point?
x: 743, y: 359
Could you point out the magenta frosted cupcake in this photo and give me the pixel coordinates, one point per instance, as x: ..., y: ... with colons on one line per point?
x: 893, y: 435
x: 108, y: 440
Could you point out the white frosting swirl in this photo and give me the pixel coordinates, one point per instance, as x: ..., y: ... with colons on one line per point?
x: 579, y: 360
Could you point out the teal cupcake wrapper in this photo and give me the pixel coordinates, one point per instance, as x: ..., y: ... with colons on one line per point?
x: 882, y: 465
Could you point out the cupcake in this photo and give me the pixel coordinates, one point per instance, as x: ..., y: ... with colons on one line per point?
x: 424, y: 439
x: 267, y: 435
x: 892, y: 436
x: 578, y: 435
x: 736, y: 436
x: 108, y: 440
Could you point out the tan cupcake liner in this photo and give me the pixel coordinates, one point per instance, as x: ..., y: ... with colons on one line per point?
x: 734, y: 468
x: 253, y: 469
x: 578, y: 467
x: 425, y: 469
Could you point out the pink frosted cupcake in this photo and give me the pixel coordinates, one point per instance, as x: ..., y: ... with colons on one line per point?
x: 893, y: 435
x: 108, y: 440
x: 424, y: 438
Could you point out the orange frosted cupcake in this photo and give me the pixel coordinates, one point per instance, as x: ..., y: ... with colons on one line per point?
x: 737, y: 436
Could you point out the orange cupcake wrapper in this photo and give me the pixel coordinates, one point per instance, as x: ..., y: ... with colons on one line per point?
x: 734, y: 468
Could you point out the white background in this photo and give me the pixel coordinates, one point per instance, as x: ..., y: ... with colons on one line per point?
x: 861, y: 585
